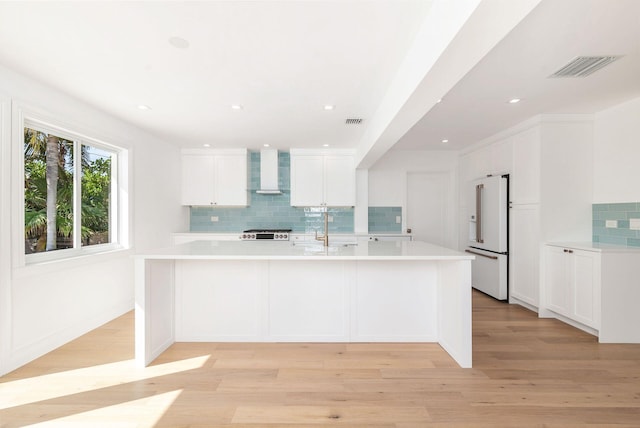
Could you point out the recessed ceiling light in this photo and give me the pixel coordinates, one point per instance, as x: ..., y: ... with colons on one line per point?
x: 329, y: 107
x: 325, y: 145
x: 144, y: 107
x: 266, y: 145
x: 445, y: 141
x: 236, y: 107
x: 514, y: 100
x: 178, y: 42
x: 439, y: 100
x: 206, y: 145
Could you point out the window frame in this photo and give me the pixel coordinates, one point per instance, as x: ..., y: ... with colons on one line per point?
x: 118, y: 215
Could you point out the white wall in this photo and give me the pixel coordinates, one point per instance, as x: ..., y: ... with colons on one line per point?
x: 388, y: 179
x: 43, y: 306
x: 5, y: 228
x: 616, y: 168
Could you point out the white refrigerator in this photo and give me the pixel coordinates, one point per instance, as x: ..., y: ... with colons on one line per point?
x: 488, y: 235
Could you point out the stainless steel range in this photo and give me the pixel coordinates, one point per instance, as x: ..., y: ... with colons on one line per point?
x: 268, y: 234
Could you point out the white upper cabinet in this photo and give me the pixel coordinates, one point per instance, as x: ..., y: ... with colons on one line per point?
x: 211, y: 177
x: 197, y: 179
x: 322, y: 179
x: 307, y: 180
x: 340, y: 181
x: 230, y: 172
x: 525, y: 174
x: 501, y: 157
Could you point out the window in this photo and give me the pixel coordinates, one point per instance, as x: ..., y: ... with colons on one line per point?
x: 70, y: 192
x: 96, y: 195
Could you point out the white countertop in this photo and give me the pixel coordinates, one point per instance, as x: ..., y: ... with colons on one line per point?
x: 273, y: 250
x: 596, y: 246
x: 301, y: 234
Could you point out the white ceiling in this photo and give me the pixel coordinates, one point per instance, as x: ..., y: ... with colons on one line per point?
x: 553, y: 34
x: 281, y: 60
x: 284, y: 60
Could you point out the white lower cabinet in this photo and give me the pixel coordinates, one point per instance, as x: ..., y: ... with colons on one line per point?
x: 593, y: 287
x: 572, y: 284
x: 311, y: 301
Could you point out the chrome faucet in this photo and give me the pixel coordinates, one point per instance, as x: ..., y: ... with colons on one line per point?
x: 324, y: 238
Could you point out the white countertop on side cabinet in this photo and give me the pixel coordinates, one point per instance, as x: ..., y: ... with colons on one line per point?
x: 596, y: 246
x: 270, y: 250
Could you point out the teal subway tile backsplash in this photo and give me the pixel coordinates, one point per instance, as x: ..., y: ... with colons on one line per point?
x: 270, y: 211
x: 383, y: 219
x: 623, y: 206
x: 622, y: 213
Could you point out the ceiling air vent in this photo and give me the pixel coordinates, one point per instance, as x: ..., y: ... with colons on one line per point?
x: 583, y: 66
x: 353, y: 121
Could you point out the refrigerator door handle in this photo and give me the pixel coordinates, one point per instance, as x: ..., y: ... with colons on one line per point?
x: 483, y: 255
x: 479, y: 238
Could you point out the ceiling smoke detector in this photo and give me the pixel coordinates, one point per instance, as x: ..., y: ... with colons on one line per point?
x: 583, y: 66
x: 353, y: 121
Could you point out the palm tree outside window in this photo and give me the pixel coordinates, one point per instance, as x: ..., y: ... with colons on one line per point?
x: 68, y: 192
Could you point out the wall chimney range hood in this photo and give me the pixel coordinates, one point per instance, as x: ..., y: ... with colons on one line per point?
x: 269, y: 172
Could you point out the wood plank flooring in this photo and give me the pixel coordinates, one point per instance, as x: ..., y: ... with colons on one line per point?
x: 528, y: 372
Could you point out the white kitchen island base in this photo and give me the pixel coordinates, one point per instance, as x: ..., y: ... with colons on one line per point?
x: 340, y: 294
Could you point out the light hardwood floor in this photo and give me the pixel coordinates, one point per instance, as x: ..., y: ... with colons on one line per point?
x: 528, y: 372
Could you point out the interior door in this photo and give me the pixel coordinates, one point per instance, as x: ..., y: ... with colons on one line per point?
x: 429, y: 211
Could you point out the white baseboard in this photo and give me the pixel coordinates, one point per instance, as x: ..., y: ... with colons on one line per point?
x: 25, y: 354
x: 516, y: 301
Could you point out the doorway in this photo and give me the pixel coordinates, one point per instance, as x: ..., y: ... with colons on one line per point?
x: 429, y: 207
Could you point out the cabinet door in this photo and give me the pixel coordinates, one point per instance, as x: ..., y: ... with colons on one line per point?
x: 231, y: 180
x: 307, y: 181
x: 525, y: 176
x: 524, y: 253
x: 340, y: 181
x: 501, y: 157
x: 572, y: 284
x: 558, y: 285
x: 585, y: 268
x: 478, y: 164
x: 197, y: 180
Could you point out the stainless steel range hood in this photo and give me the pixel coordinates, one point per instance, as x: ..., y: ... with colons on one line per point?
x: 269, y: 172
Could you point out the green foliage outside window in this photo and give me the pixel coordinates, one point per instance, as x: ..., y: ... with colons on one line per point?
x: 96, y: 191
x: 48, y: 162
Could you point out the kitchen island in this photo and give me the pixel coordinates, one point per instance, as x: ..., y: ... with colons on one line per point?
x: 230, y: 291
